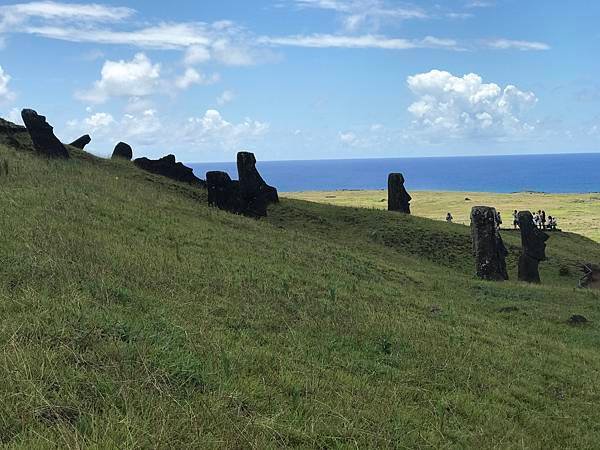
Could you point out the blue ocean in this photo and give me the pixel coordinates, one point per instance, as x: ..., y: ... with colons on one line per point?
x: 566, y: 173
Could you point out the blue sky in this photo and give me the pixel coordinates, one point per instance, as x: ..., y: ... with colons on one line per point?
x: 308, y: 79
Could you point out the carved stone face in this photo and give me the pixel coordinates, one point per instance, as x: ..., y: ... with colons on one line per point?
x: 532, y: 238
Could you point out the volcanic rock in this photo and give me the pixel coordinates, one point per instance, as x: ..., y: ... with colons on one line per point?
x: 81, y: 142
x: 255, y: 193
x: 223, y: 192
x: 488, y: 247
x: 398, y: 198
x: 533, y: 242
x: 122, y: 150
x: 42, y: 135
x: 170, y: 168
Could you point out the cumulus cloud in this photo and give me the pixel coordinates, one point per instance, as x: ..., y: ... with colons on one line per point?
x: 136, y: 78
x: 151, y: 132
x: 6, y: 95
x: 192, y: 76
x: 466, y: 107
x: 213, y: 128
x: 99, y: 121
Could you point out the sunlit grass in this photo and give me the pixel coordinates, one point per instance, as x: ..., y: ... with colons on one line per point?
x: 577, y: 213
x: 134, y: 316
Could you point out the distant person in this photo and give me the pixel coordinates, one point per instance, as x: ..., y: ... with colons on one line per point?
x: 536, y: 220
x: 498, y: 219
x: 515, y: 219
x: 552, y: 222
x: 543, y: 217
x: 449, y: 218
x: 540, y: 222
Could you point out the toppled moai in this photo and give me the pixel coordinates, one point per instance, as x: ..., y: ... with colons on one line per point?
x: 398, y: 198
x: 81, y: 142
x: 123, y: 151
x: 42, y: 135
x: 170, y: 168
x: 249, y: 196
x: 488, y: 247
x: 533, y: 242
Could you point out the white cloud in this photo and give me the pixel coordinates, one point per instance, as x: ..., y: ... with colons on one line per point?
x: 348, y: 138
x: 196, y: 54
x: 148, y: 131
x: 356, y: 14
x: 192, y: 76
x: 136, y: 78
x: 6, y: 95
x: 507, y: 44
x: 364, y: 41
x: 98, y: 121
x: 20, y: 13
x: 213, y: 128
x: 459, y: 107
x: 225, y: 97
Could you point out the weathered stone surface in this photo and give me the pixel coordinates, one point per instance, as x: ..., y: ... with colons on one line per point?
x: 251, y: 183
x: 488, y: 247
x: 398, y: 198
x: 123, y: 150
x: 223, y: 192
x: 42, y: 135
x: 249, y: 196
x: 81, y: 142
x: 170, y: 168
x: 533, y: 242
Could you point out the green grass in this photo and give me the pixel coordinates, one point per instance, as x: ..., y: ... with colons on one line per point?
x: 577, y: 213
x: 132, y: 315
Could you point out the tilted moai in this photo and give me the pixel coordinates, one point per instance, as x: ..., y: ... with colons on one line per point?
x: 398, y: 198
x: 488, y: 247
x: 533, y: 241
x: 42, y: 135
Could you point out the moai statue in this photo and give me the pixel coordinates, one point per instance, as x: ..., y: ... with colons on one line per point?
x: 488, y: 247
x: 533, y: 241
x: 42, y: 135
x: 398, y: 198
x: 122, y: 150
x: 81, y: 142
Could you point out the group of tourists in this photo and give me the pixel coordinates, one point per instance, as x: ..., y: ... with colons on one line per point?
x: 540, y: 220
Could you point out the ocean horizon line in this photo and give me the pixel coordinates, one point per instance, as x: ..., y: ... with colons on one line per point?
x: 404, y: 157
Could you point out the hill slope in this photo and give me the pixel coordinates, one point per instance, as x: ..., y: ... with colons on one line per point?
x: 133, y: 315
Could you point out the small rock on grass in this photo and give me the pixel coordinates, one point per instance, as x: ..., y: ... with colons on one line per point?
x: 577, y: 319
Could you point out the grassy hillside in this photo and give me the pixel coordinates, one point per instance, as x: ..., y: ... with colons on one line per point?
x: 133, y: 315
x: 577, y: 213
